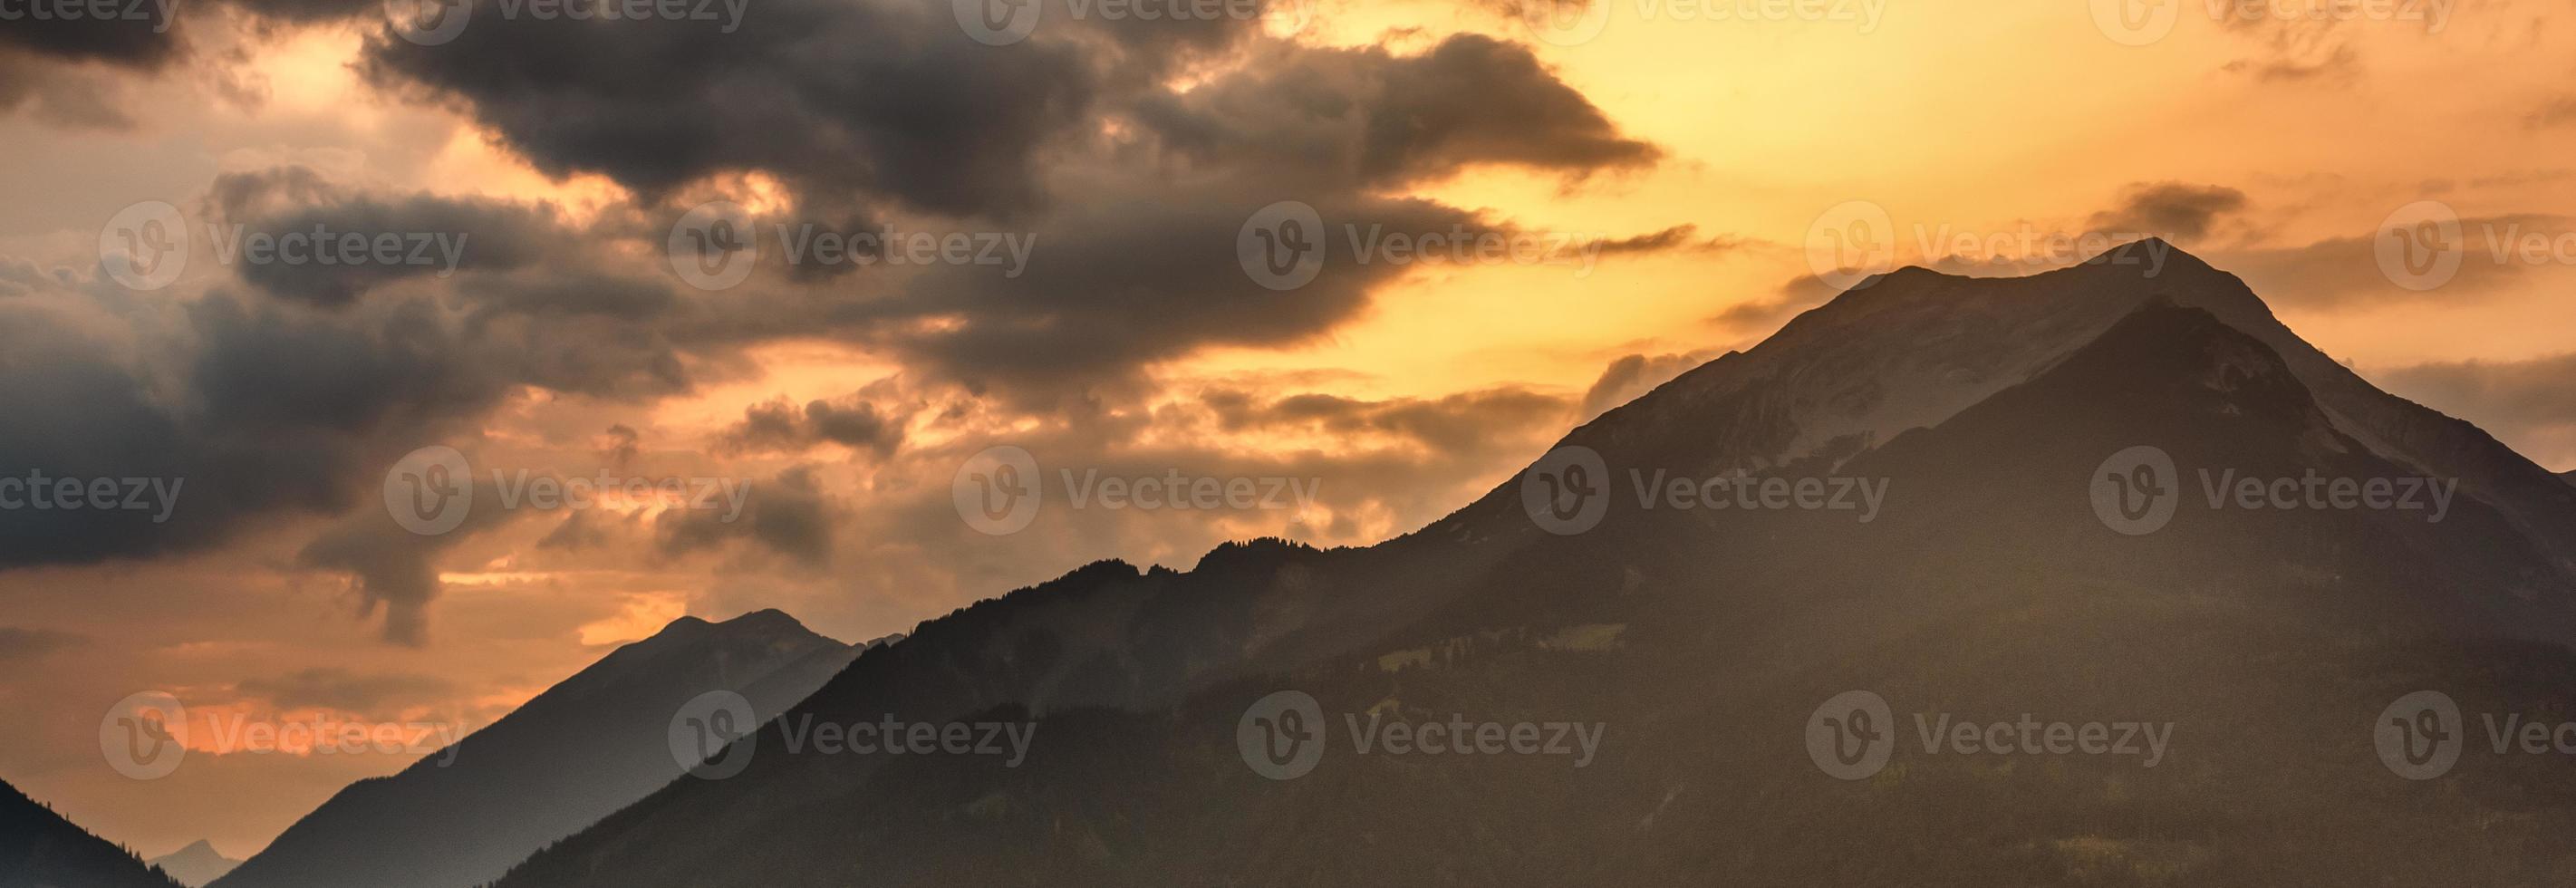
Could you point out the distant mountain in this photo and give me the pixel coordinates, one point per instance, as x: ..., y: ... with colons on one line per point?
x: 576, y: 752
x: 39, y: 849
x: 1703, y: 640
x: 195, y: 865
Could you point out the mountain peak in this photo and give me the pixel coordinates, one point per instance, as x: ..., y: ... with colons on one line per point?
x: 766, y: 618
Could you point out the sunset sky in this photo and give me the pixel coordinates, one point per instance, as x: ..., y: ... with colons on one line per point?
x: 1687, y: 156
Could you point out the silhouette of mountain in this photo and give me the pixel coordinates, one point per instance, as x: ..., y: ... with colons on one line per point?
x: 1991, y: 586
x: 40, y: 849
x: 195, y: 865
x: 576, y: 752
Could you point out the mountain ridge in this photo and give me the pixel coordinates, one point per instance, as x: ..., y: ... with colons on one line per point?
x: 570, y: 755
x: 1953, y: 385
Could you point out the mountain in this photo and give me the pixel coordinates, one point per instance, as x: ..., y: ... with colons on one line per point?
x: 195, y: 865
x: 1701, y: 644
x: 39, y: 849
x: 571, y: 755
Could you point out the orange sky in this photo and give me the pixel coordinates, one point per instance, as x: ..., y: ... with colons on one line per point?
x: 2018, y: 116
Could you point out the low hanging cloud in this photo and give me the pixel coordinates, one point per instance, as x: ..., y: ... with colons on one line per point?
x: 2177, y: 210
x: 2513, y: 399
x: 782, y: 427
x: 379, y: 695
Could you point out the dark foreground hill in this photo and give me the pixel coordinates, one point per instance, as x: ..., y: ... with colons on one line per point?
x: 40, y: 849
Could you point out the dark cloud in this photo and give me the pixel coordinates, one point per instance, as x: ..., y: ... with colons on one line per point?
x: 62, y: 95
x: 1762, y: 314
x: 843, y: 100
x: 1679, y: 238
x: 1367, y: 118
x: 788, y: 515
x: 1117, y: 283
x: 1454, y: 424
x: 2558, y: 111
x: 392, y: 570
x: 429, y: 236
x: 1634, y: 375
x: 2510, y: 398
x: 2342, y: 273
x: 20, y: 645
x: 138, y: 36
x: 782, y: 427
x: 2294, y: 48
x: 2170, y: 209
x: 377, y: 695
